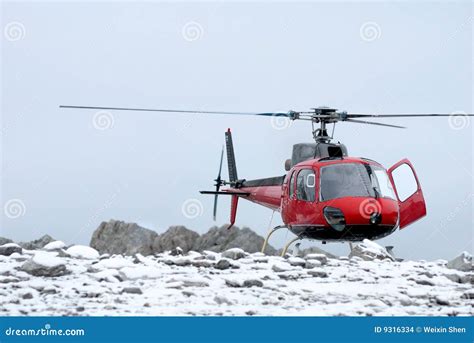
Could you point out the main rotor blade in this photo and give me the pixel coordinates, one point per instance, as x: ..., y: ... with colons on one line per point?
x: 373, y: 123
x: 268, y: 114
x: 406, y: 115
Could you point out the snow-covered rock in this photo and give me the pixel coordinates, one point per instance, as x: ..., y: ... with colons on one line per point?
x: 82, y: 251
x: 462, y: 262
x: 10, y: 248
x: 234, y: 253
x: 37, y: 243
x: 369, y: 251
x: 45, y: 264
x: 55, y: 245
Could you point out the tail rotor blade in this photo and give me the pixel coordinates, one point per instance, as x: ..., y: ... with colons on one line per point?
x: 214, y: 212
x: 218, y: 185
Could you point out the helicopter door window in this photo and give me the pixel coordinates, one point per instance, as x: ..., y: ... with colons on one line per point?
x: 405, y: 180
x: 305, y: 185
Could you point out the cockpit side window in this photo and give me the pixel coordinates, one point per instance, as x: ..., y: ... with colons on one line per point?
x: 306, y: 185
x: 292, y: 185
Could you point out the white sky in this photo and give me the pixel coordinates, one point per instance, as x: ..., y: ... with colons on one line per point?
x: 253, y: 56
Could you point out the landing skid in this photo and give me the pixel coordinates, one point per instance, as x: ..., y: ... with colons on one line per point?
x: 285, y: 249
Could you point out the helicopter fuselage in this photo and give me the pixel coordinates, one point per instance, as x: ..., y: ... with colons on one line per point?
x: 342, y: 199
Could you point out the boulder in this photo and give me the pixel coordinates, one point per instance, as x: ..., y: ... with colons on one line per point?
x: 369, y: 251
x: 37, y: 243
x: 44, y: 264
x: 118, y: 237
x: 9, y: 248
x: 221, y: 239
x: 55, y: 245
x: 4, y: 240
x: 174, y: 237
x: 234, y: 253
x: 463, y: 262
x: 83, y: 252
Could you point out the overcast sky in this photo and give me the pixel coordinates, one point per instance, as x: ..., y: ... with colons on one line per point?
x: 65, y: 171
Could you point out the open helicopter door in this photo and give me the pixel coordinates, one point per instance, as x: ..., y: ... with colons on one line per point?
x: 408, y: 190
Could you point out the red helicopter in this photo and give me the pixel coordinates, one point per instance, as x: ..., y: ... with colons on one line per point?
x: 325, y: 194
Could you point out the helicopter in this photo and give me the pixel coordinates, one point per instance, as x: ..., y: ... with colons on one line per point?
x: 325, y: 194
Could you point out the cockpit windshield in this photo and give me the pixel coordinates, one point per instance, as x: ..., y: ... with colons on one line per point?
x: 354, y: 180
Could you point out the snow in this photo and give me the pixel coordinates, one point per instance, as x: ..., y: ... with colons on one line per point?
x: 55, y: 245
x: 82, y: 251
x: 256, y: 285
x: 47, y: 259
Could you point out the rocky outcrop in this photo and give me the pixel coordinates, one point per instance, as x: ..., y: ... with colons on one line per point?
x: 369, y: 251
x: 174, y: 237
x: 37, y: 243
x: 117, y: 237
x: 463, y: 262
x: 221, y: 239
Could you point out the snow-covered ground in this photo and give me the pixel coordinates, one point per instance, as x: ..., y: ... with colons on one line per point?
x: 209, y: 284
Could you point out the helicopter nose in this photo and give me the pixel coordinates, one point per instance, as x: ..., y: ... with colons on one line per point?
x: 367, y: 211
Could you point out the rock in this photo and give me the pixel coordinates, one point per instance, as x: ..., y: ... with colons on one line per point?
x: 234, y: 253
x: 296, y: 261
x: 281, y: 267
x: 175, y: 236
x: 10, y: 248
x: 55, y: 245
x: 84, y: 252
x: 320, y: 257
x: 463, y: 262
x: 132, y: 290
x: 221, y: 239
x: 4, y: 240
x: 219, y: 299
x: 44, y: 264
x: 318, y: 272
x: 369, y: 251
x: 443, y: 301
x: 27, y: 295
x: 117, y: 237
x: 253, y: 282
x: 176, y: 251
x: 223, y: 264
x: 315, y: 250
x: 312, y: 264
x: 38, y: 243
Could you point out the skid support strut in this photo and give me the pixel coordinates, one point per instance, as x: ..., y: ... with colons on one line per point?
x: 269, y: 234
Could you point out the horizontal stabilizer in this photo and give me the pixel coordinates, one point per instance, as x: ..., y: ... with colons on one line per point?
x: 225, y: 193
